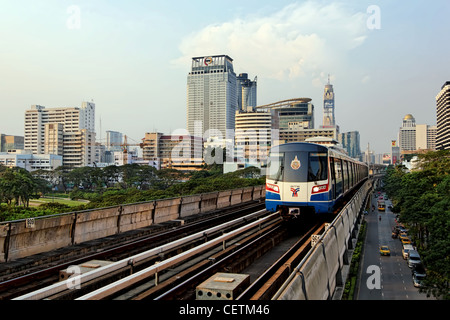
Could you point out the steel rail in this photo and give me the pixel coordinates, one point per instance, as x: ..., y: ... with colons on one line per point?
x: 247, y: 243
x: 129, y: 244
x: 297, y: 269
x: 91, y: 275
x: 152, y: 270
x: 279, y: 270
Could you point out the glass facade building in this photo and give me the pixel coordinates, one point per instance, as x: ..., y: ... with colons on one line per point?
x: 211, y: 96
x: 297, y: 116
x: 246, y: 92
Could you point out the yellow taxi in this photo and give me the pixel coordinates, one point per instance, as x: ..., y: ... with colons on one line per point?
x: 384, y: 251
x: 405, y: 240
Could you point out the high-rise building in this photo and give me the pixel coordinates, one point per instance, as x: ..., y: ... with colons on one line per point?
x: 407, y: 134
x: 295, y: 114
x: 351, y: 142
x: 246, y: 93
x: 78, y: 148
x: 114, y: 141
x: 211, y: 96
x: 443, y: 117
x: 293, y: 121
x: 414, y: 137
x: 253, y: 134
x: 184, y: 152
x: 328, y: 106
x: 60, y: 131
x: 425, y: 137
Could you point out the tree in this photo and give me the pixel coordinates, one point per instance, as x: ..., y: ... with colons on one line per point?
x: 422, y: 197
x: 19, y: 185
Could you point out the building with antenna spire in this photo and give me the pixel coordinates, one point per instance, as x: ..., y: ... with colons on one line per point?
x: 329, y: 120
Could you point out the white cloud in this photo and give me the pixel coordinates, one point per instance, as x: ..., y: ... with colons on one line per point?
x: 296, y: 41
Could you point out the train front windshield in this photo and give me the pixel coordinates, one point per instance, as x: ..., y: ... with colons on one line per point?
x: 297, y: 166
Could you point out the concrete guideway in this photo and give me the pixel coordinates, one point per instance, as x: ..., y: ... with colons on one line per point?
x: 384, y: 277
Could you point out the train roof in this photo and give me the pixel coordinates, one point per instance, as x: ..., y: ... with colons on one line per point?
x: 303, y: 146
x: 311, y: 147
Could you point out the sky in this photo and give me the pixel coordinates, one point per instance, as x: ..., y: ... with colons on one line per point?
x: 385, y: 59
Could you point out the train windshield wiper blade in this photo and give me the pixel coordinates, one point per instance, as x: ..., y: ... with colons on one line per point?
x: 277, y: 178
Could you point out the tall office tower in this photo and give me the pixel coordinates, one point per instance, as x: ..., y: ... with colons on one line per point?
x: 407, y: 134
x: 40, y: 137
x: 246, y: 91
x: 114, y: 141
x: 211, y: 96
x: 443, y: 117
x: 328, y: 106
x: 351, y: 142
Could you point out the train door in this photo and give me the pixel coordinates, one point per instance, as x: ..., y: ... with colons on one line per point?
x: 338, y: 175
x: 332, y: 178
x: 345, y: 174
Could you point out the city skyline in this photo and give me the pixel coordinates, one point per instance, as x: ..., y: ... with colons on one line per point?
x: 385, y: 59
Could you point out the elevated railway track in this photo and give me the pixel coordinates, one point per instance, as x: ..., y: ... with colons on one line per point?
x: 170, y: 265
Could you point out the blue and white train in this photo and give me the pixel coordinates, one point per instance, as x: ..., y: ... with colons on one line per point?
x: 307, y: 177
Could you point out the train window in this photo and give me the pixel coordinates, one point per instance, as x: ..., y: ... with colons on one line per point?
x: 295, y: 167
x: 318, y: 166
x: 338, y: 175
x: 275, y: 166
x: 345, y: 174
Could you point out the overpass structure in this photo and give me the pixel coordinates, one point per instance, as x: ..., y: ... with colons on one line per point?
x: 318, y: 276
x: 324, y: 269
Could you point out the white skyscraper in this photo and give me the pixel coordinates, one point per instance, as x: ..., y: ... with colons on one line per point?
x: 211, y: 96
x: 407, y: 134
x: 443, y: 117
x: 64, y: 131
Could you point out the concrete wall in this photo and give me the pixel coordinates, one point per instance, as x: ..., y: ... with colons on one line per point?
x: 318, y: 274
x: 19, y: 239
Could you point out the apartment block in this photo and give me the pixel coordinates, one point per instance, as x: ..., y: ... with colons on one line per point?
x: 69, y: 132
x: 184, y: 152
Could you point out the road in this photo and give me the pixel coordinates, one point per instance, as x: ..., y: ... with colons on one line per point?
x: 384, y: 277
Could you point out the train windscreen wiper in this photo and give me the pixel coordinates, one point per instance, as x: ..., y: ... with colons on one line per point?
x: 280, y: 172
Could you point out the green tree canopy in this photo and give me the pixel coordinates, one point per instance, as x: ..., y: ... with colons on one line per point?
x: 422, y: 197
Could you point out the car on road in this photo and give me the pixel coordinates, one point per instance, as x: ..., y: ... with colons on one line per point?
x: 384, y: 251
x: 406, y: 241
x: 406, y: 249
x: 413, y: 258
x: 418, y: 269
x: 418, y: 280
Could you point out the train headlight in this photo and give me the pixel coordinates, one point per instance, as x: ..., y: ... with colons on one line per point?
x: 272, y: 188
x: 317, y: 189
